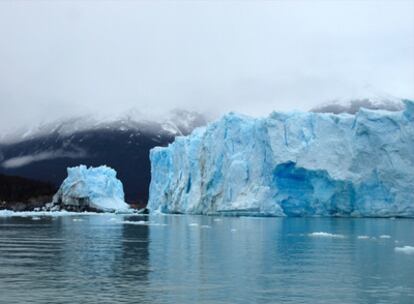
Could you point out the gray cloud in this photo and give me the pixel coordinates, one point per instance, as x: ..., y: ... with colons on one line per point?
x: 61, y: 58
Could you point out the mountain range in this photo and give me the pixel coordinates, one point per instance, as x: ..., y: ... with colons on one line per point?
x: 44, y: 152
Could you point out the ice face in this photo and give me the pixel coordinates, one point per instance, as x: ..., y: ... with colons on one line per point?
x: 290, y: 164
x: 93, y: 188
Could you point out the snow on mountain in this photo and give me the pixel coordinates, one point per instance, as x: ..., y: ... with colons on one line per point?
x: 290, y: 164
x: 176, y: 122
x: 366, y: 98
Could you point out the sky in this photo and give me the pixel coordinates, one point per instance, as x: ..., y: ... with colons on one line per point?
x: 63, y: 58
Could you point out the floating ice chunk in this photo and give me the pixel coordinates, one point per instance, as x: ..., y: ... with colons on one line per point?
x: 193, y: 225
x: 326, y: 235
x: 405, y: 249
x: 135, y: 222
x: 142, y: 223
x: 77, y: 220
x: 205, y: 227
x: 9, y: 213
x: 363, y: 237
x: 385, y: 236
x: 91, y: 189
x: 233, y: 230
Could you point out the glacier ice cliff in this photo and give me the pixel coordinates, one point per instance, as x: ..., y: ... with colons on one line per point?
x: 91, y: 188
x: 290, y: 164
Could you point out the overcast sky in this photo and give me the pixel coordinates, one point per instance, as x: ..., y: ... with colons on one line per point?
x: 64, y: 58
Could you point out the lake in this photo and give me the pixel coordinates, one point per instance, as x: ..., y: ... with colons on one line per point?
x: 201, y: 259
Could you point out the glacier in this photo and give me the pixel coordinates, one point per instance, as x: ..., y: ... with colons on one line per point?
x: 91, y: 188
x: 290, y: 164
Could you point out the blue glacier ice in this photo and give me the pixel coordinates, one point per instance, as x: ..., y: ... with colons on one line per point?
x: 290, y: 164
x: 91, y: 189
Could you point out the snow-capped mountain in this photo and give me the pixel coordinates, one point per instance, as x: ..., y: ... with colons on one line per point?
x: 367, y: 99
x: 123, y: 142
x: 176, y: 122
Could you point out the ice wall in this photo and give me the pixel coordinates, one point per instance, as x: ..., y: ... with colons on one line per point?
x: 293, y: 164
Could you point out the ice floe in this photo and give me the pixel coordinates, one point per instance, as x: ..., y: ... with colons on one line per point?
x: 405, y: 249
x: 326, y: 235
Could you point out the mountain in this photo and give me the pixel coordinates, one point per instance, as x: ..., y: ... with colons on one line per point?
x: 367, y: 99
x: 290, y: 164
x: 123, y: 143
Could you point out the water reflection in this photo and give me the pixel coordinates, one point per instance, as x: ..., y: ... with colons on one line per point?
x: 188, y: 259
x: 72, y: 259
x: 244, y: 260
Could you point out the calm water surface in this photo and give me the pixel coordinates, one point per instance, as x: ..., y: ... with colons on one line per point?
x: 196, y: 259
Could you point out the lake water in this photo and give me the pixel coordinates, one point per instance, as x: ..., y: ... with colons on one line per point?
x: 199, y: 259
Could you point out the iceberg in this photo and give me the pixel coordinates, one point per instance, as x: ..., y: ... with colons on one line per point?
x: 290, y: 164
x: 92, y: 189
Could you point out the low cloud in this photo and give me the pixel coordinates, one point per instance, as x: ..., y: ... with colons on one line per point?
x: 25, y: 160
x: 68, y: 58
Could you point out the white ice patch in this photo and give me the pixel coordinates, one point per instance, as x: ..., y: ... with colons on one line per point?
x: 193, y: 225
x: 135, y: 222
x: 405, y: 249
x: 142, y: 223
x: 363, y: 237
x: 326, y: 235
x: 9, y: 213
x: 385, y: 236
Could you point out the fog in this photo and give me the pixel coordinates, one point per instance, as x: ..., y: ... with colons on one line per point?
x: 63, y: 58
